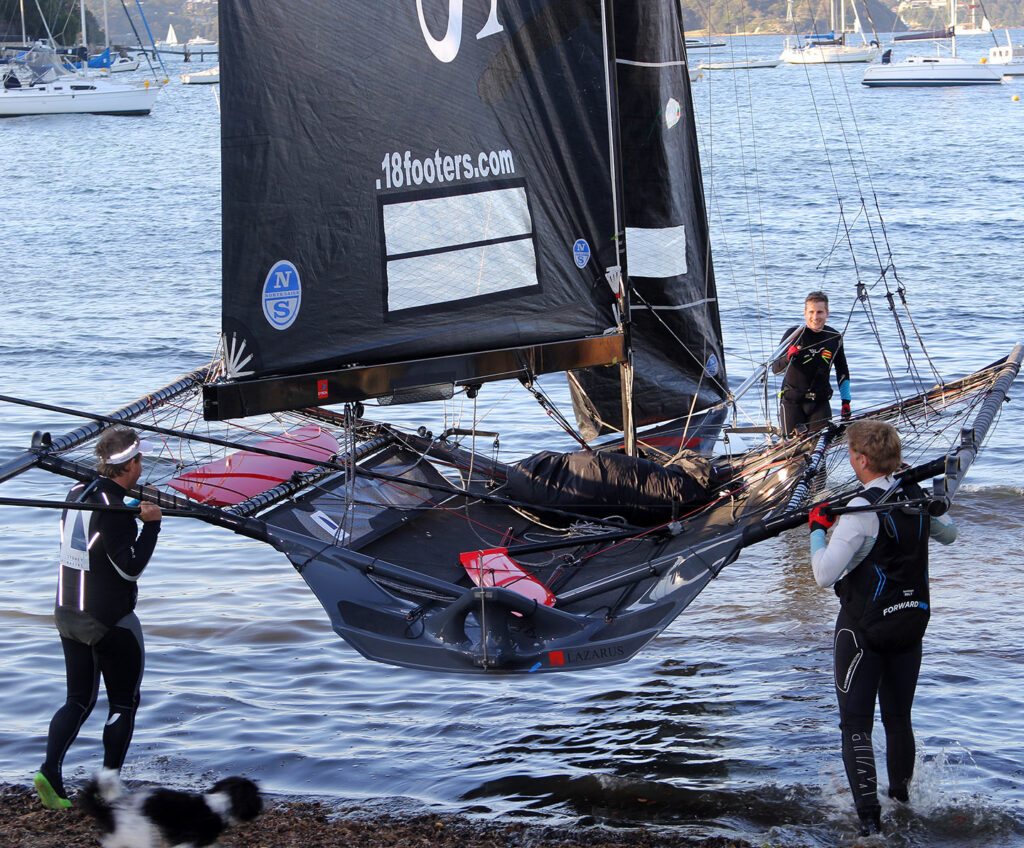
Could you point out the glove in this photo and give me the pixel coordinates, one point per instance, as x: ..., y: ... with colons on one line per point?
x: 821, y: 518
x: 793, y: 351
x: 846, y: 409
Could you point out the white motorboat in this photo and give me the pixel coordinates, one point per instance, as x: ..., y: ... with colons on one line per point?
x: 201, y: 45
x: 193, y: 47
x: 1008, y: 58
x: 207, y: 77
x: 38, y: 83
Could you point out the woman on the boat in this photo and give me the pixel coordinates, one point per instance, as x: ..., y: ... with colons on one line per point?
x: 878, y: 563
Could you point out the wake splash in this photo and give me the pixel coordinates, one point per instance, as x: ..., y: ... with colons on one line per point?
x: 939, y: 814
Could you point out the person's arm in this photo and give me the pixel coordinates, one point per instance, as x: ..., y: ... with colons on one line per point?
x: 943, y: 530
x: 782, y: 361
x: 128, y: 553
x: 842, y: 372
x: 852, y: 538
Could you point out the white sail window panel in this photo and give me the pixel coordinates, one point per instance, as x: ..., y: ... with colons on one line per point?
x: 657, y: 252
x: 444, y: 249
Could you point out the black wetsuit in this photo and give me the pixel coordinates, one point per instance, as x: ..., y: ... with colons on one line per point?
x: 805, y: 394
x: 102, y: 555
x: 878, y: 656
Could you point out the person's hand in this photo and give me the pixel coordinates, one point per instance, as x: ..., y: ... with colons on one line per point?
x: 846, y: 410
x: 149, y: 511
x: 793, y: 351
x: 821, y: 518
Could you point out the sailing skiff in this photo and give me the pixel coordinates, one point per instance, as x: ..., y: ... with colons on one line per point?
x: 508, y: 192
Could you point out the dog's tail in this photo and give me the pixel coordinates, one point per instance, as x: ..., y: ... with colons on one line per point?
x: 95, y: 798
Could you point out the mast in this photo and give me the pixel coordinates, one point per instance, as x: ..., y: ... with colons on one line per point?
x: 85, y: 38
x: 24, y: 36
x: 952, y: 27
x: 618, y: 274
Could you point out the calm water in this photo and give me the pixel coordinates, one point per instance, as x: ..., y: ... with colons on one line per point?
x: 726, y: 723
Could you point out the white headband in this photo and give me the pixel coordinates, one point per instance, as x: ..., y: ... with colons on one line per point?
x: 135, y: 448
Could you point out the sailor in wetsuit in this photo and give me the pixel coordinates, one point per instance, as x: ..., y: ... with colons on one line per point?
x: 878, y: 564
x: 805, y: 394
x: 102, y: 555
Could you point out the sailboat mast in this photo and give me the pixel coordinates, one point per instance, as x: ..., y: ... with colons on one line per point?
x: 952, y: 26
x: 24, y: 35
x: 85, y: 38
x: 614, y: 152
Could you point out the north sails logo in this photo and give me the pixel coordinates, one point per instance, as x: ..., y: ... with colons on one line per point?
x: 282, y: 295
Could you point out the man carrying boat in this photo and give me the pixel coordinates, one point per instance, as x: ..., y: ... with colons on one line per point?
x: 878, y: 563
x: 102, y: 555
x: 805, y: 395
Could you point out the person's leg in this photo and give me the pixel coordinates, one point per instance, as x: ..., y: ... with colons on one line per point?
x: 818, y: 414
x: 857, y: 671
x: 122, y: 660
x: 791, y: 416
x: 896, y: 698
x: 82, y: 686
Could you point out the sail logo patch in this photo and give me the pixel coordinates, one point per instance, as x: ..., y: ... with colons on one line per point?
x: 282, y: 295
x: 581, y: 253
x: 673, y: 112
x: 711, y: 369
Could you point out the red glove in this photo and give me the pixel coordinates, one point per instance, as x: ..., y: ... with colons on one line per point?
x: 821, y: 518
x: 793, y: 351
x: 846, y: 409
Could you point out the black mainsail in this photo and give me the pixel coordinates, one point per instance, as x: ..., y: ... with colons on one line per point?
x: 387, y: 202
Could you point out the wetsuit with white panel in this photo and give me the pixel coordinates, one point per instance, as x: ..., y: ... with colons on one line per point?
x: 864, y: 674
x: 102, y: 555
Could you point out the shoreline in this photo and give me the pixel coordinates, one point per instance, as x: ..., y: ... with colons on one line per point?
x: 288, y: 822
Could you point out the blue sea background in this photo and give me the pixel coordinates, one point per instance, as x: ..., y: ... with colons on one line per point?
x: 726, y: 723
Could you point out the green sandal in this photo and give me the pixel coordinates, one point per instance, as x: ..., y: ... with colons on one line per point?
x: 48, y: 795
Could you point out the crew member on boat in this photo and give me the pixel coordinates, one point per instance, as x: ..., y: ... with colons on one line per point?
x: 804, y: 399
x: 102, y: 555
x: 878, y: 564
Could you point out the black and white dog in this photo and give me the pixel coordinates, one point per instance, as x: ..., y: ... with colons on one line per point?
x: 155, y: 818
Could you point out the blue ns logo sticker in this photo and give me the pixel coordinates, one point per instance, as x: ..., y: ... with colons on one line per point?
x: 581, y: 253
x: 282, y: 295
